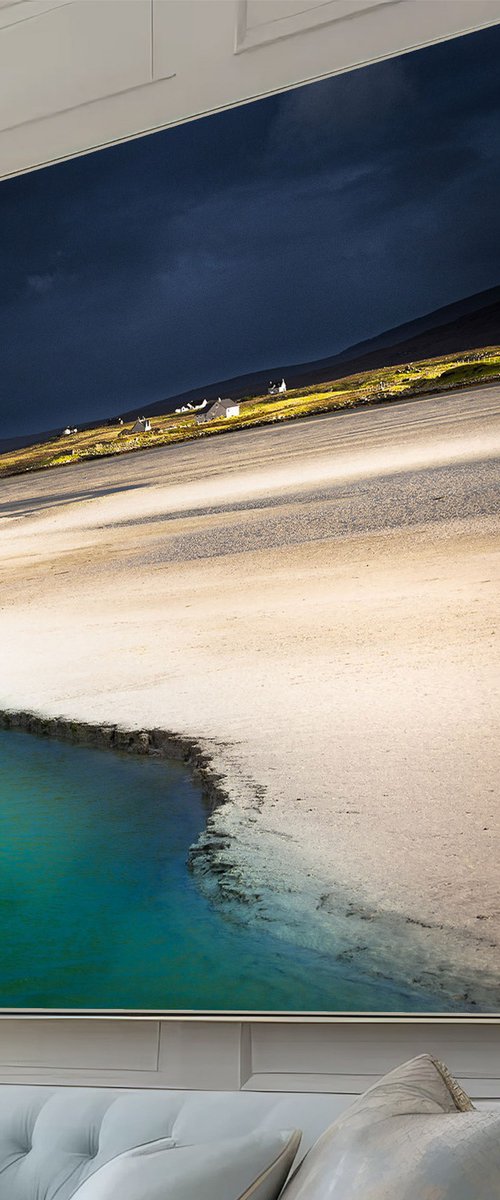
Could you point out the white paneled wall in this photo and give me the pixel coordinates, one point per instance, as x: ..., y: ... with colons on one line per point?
x: 80, y: 74
x: 253, y: 1055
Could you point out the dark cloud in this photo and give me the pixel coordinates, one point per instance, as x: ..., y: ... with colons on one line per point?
x: 281, y: 231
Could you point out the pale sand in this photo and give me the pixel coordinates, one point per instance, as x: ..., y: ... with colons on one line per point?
x: 344, y: 686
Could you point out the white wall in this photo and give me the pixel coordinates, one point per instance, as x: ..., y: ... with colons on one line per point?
x: 256, y: 1056
x: 78, y: 75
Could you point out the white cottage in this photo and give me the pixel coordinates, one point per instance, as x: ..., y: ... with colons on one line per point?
x: 220, y: 408
x: 275, y: 389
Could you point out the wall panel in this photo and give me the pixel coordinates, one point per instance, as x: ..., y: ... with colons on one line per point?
x: 113, y: 69
x: 254, y: 1055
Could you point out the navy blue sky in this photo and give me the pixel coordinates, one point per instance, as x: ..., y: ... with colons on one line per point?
x: 278, y: 232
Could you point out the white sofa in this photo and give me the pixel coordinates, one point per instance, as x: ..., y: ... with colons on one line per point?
x: 54, y: 1138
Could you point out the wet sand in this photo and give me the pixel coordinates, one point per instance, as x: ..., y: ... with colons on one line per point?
x: 315, y: 605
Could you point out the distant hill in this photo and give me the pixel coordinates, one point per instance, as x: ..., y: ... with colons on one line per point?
x: 467, y: 324
x: 27, y: 439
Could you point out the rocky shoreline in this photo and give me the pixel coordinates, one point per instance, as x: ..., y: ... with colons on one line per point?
x: 157, y: 743
x: 417, y: 960
x: 232, y: 868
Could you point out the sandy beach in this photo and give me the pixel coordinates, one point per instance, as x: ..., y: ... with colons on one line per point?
x: 315, y: 604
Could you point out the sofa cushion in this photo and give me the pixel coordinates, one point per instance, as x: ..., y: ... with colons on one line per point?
x: 246, y: 1168
x: 53, y: 1138
x: 414, y: 1134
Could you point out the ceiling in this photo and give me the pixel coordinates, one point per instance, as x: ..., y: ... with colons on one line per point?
x: 76, y: 75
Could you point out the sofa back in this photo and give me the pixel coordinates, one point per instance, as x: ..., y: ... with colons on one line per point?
x: 53, y: 1138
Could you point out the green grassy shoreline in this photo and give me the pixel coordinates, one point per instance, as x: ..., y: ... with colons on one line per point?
x: 379, y: 386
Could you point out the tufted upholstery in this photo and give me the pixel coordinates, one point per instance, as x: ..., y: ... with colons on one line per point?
x: 53, y: 1138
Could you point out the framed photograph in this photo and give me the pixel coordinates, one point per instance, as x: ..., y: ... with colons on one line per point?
x: 249, y: 401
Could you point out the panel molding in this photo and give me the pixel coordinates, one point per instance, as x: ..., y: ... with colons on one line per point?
x: 98, y: 100
x: 16, y: 12
x: 78, y: 54
x: 232, y: 1055
x: 250, y: 37
x: 348, y: 1060
x: 189, y: 68
x: 72, y: 1044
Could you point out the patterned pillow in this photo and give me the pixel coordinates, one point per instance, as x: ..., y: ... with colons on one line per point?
x: 415, y: 1135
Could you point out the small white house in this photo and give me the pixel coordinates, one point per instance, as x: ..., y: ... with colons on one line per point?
x: 191, y: 408
x: 232, y: 410
x: 220, y: 408
x: 275, y: 389
x: 142, y: 425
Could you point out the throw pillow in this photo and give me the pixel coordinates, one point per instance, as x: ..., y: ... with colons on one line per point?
x: 245, y: 1168
x: 414, y: 1134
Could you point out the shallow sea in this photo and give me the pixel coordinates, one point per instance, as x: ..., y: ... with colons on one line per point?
x: 98, y: 908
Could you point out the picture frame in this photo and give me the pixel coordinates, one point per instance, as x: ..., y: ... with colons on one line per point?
x: 172, y: 582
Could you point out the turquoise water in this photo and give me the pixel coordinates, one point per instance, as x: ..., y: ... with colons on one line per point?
x: 98, y: 909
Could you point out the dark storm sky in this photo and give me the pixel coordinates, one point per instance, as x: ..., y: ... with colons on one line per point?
x: 275, y: 233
